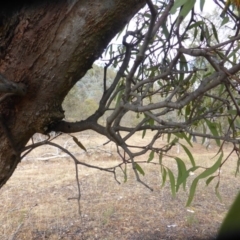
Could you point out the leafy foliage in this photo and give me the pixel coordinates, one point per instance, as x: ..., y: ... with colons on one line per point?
x: 178, y: 75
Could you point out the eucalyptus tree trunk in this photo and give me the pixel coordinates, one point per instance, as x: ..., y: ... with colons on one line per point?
x: 44, y: 50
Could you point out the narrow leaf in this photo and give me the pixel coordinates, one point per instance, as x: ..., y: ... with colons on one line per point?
x: 183, y: 66
x: 144, y: 133
x: 191, y: 158
x: 182, y: 135
x: 168, y: 137
x: 164, y: 176
x: 174, y: 141
x: 224, y: 21
x: 204, y: 174
x: 215, y: 32
x: 213, y: 128
x: 233, y: 53
x: 238, y: 165
x: 209, y: 180
x: 165, y: 30
x: 212, y: 169
x: 194, y: 35
x: 125, y: 173
x: 188, y: 139
x: 192, y: 191
x: 119, y: 97
x: 202, y: 2
x: 188, y: 110
x: 177, y: 4
x: 186, y: 174
x: 172, y: 182
x: 196, y: 24
x: 187, y: 7
x: 151, y: 122
x: 151, y: 156
x: 79, y: 143
x: 182, y: 171
x: 160, y: 158
x: 217, y: 191
x: 139, y: 169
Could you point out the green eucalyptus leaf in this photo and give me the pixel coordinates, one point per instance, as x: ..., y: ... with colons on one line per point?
x: 213, y: 128
x: 209, y: 180
x: 78, y: 143
x: 187, y: 174
x: 225, y: 20
x: 215, y: 32
x: 172, y: 182
x: 151, y: 122
x: 204, y: 174
x: 160, y: 158
x: 202, y: 2
x: 164, y: 176
x: 182, y: 171
x: 177, y: 4
x: 182, y: 135
x: 212, y: 169
x: 187, y: 7
x: 192, y: 191
x: 191, y: 158
x: 168, y: 137
x: 196, y: 24
x: 144, y: 133
x: 125, y: 173
x: 165, y: 30
x: 151, y: 156
x: 217, y: 192
x: 238, y: 165
x: 188, y: 110
x: 119, y: 97
x: 139, y: 169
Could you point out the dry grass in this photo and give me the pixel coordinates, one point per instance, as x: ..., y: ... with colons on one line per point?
x: 34, y: 203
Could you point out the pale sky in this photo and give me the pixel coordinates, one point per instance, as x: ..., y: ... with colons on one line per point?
x: 208, y: 8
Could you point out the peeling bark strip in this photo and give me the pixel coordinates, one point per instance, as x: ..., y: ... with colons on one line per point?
x: 49, y: 48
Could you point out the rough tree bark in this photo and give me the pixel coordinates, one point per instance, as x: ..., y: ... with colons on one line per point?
x: 48, y: 47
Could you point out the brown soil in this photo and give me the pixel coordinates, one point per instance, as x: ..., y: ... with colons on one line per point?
x: 36, y: 203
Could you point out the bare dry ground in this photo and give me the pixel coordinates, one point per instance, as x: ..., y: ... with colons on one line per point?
x: 36, y: 203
